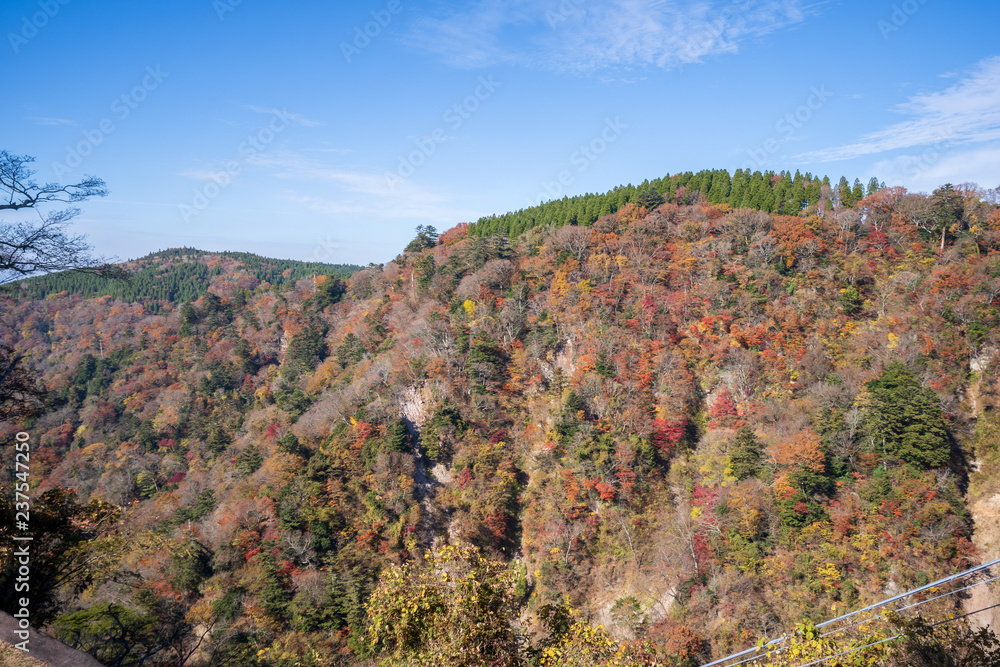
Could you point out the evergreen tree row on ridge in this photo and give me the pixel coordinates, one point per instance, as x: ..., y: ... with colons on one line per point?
x: 782, y: 193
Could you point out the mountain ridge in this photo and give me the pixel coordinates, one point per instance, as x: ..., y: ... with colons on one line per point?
x: 181, y: 274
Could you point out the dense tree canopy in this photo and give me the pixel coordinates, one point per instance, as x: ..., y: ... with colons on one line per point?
x: 692, y: 424
x: 184, y: 274
x: 904, y: 420
x: 779, y: 193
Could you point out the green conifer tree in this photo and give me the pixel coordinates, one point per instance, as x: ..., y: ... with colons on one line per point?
x: 813, y: 193
x: 844, y: 192
x: 858, y: 192
x: 873, y: 186
x: 746, y: 454
x: 905, y: 420
x: 721, y: 184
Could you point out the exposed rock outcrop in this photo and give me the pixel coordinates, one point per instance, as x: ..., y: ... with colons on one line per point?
x: 45, y: 649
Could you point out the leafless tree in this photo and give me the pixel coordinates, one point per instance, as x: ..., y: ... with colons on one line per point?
x: 29, y: 248
x: 572, y: 240
x: 746, y: 223
x: 992, y: 196
x: 918, y: 211
x: 885, y: 292
x: 744, y: 371
x: 20, y: 394
x: 514, y: 314
x: 763, y: 249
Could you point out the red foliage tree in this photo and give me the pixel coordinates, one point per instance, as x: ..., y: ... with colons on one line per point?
x: 667, y: 435
x: 723, y: 410
x: 454, y: 235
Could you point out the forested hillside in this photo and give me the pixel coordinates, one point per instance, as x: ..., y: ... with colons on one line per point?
x: 182, y: 274
x: 782, y: 193
x: 687, y: 419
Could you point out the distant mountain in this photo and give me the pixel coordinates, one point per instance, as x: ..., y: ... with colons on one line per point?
x: 182, y: 274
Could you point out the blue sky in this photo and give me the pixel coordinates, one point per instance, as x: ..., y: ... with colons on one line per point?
x: 284, y: 129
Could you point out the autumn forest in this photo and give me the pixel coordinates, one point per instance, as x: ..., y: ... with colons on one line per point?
x: 651, y: 426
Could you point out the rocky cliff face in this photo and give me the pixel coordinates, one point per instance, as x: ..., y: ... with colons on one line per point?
x: 42, y: 649
x: 984, y: 487
x: 986, y: 536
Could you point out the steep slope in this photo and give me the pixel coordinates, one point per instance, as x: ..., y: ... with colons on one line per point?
x: 43, y: 651
x: 699, y: 425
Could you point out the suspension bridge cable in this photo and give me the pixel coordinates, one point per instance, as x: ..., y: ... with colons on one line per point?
x: 882, y: 641
x: 912, y: 606
x: 882, y: 603
x: 854, y: 625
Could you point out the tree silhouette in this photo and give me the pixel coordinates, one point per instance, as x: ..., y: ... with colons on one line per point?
x: 29, y: 248
x: 20, y: 394
x: 427, y: 237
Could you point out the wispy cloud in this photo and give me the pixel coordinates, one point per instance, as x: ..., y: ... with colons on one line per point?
x: 967, y: 112
x: 583, y: 35
x: 202, y: 174
x: 40, y: 120
x: 979, y: 165
x: 173, y: 207
x: 296, y: 118
x: 363, y: 192
x: 388, y: 210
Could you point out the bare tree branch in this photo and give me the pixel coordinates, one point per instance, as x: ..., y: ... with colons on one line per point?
x: 22, y: 192
x: 28, y: 248
x: 20, y: 393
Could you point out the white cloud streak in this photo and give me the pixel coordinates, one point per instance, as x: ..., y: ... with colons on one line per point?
x: 931, y: 169
x: 202, y: 174
x: 365, y: 192
x: 968, y: 112
x: 587, y: 35
x: 296, y: 118
x: 53, y: 121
